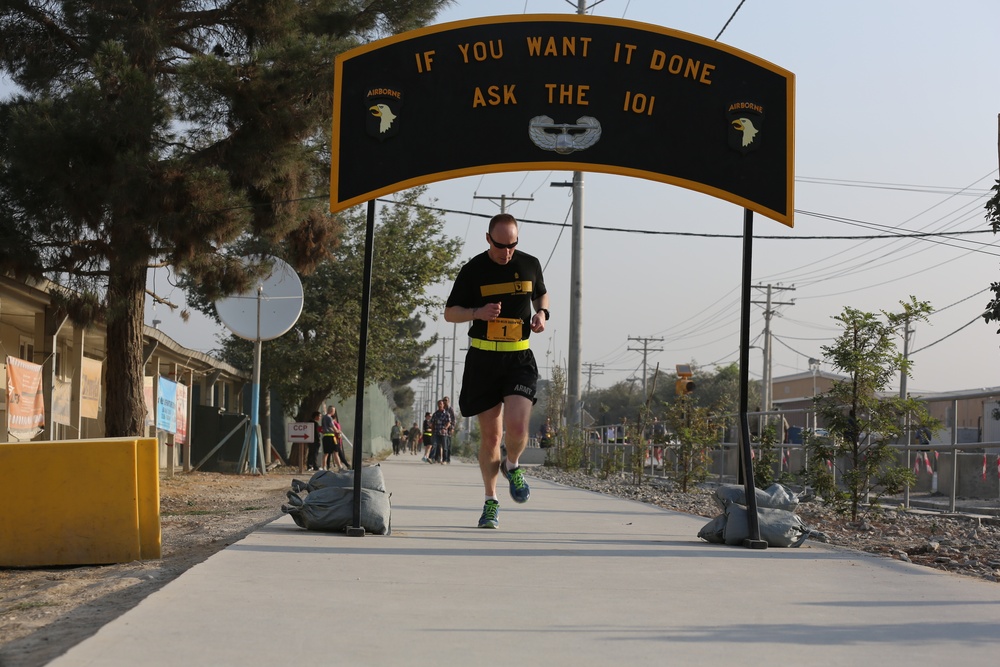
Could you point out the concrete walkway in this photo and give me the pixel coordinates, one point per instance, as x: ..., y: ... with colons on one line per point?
x: 571, y: 578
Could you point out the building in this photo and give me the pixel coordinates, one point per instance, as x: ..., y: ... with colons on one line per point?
x: 67, y: 362
x: 970, y: 412
x: 793, y: 395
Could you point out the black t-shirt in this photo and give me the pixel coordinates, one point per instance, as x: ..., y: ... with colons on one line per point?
x: 513, y: 285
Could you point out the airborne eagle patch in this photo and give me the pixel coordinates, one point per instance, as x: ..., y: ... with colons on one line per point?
x: 383, y: 110
x: 746, y: 124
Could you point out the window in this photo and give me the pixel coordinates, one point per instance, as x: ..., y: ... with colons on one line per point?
x: 26, y: 349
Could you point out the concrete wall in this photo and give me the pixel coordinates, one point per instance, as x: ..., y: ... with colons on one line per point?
x: 79, y: 502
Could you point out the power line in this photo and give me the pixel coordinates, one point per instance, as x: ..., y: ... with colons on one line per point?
x: 730, y: 20
x: 938, y: 310
x: 660, y: 232
x: 864, y: 261
x: 900, y: 187
x: 975, y: 319
x: 777, y: 338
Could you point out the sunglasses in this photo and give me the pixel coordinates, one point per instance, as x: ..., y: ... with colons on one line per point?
x: 501, y: 246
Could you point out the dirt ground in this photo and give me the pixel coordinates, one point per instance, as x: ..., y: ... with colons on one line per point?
x: 46, y: 611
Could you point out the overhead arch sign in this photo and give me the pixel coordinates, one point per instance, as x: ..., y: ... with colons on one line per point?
x: 562, y: 92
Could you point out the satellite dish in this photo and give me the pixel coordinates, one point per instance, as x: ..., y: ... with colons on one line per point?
x: 267, y: 311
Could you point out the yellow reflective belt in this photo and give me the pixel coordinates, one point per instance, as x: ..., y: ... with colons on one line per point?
x: 499, y: 345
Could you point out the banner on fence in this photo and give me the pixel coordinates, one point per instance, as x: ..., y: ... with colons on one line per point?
x: 25, y: 402
x: 166, y: 405
x: 90, y: 387
x: 181, y: 434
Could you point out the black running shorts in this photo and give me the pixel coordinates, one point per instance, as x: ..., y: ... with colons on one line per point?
x: 490, y: 376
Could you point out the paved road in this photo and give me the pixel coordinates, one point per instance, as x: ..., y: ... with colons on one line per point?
x: 571, y: 578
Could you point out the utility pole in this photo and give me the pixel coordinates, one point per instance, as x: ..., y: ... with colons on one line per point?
x: 503, y: 200
x: 444, y: 356
x: 573, y: 394
x: 769, y: 304
x: 576, y: 290
x: 574, y: 403
x: 645, y: 353
x: 428, y: 391
x: 454, y: 336
x: 902, y: 395
x: 592, y: 370
x: 437, y: 379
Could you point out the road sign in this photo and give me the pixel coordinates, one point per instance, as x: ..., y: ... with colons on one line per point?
x: 300, y: 431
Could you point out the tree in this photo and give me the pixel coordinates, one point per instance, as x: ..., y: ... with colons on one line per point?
x: 318, y: 357
x: 157, y: 133
x: 717, y: 390
x: 862, y: 419
x: 696, y: 432
x: 555, y: 396
x: 619, y: 400
x: 992, y: 313
x: 768, y: 459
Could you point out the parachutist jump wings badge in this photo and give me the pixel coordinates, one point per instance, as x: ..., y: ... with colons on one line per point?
x: 564, y: 138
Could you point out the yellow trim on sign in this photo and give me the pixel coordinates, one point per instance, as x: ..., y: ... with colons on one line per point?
x: 562, y: 18
x: 567, y: 166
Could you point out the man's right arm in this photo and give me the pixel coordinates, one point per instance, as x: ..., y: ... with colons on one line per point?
x: 459, y: 314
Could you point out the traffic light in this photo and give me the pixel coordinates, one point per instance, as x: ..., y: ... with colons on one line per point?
x: 685, y: 385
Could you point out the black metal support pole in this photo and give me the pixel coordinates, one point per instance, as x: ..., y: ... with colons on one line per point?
x: 356, y: 529
x: 746, y: 460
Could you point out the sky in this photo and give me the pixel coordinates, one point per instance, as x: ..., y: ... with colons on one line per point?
x: 896, y: 132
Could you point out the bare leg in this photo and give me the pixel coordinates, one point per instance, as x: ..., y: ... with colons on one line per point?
x: 516, y: 415
x: 511, y: 416
x: 490, y: 429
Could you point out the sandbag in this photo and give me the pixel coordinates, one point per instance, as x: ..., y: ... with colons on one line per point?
x: 714, y: 530
x: 371, y: 478
x: 779, y: 528
x: 776, y: 496
x: 329, y: 503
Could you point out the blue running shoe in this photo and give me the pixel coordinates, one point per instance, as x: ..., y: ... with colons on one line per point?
x: 490, y: 512
x: 519, y: 490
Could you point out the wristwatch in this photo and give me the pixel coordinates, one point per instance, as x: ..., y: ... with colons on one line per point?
x: 546, y: 311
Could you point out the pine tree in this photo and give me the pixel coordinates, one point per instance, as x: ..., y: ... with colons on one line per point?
x: 159, y: 132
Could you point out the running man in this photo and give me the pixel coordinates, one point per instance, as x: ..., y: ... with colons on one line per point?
x: 502, y: 293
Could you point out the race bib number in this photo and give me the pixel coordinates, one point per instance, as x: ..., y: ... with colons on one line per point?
x: 504, y: 328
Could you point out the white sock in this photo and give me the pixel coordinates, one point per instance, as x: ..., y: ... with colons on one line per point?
x: 511, y: 465
x: 493, y: 498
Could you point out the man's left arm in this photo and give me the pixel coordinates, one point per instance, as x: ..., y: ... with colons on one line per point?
x: 540, y: 319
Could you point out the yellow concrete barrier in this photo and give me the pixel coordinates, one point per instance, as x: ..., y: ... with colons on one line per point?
x: 79, y: 502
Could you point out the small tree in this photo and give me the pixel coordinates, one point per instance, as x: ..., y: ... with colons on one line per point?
x: 639, y: 449
x: 555, y: 403
x: 862, y: 421
x: 768, y: 459
x: 696, y: 433
x: 570, y: 449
